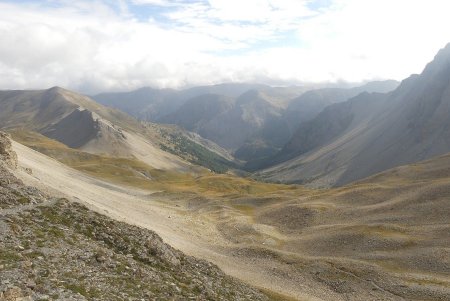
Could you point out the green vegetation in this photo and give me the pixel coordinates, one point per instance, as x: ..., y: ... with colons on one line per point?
x: 195, y: 153
x: 8, y: 256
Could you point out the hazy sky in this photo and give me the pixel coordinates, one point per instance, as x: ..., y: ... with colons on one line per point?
x: 101, y: 45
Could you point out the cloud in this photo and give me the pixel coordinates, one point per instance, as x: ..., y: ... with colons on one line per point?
x: 152, y: 2
x: 101, y: 45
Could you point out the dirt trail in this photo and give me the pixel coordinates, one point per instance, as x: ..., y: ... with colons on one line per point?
x: 194, y: 236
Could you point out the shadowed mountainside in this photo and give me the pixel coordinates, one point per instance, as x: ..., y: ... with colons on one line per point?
x: 228, y: 122
x: 311, y: 103
x: 257, y: 124
x: 372, y: 132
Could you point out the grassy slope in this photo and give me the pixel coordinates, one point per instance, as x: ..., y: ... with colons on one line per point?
x: 140, y: 175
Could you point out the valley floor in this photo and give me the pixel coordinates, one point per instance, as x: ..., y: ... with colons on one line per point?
x: 313, y: 246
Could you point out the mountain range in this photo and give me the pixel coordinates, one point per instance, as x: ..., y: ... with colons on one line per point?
x: 98, y: 203
x: 321, y: 137
x: 253, y: 122
x: 371, y: 132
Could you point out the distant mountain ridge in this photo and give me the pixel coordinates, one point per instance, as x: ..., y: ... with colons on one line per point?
x: 251, y: 121
x: 152, y: 104
x: 256, y: 124
x: 372, y: 132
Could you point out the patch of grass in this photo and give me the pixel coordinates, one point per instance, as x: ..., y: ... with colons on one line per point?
x: 77, y: 288
x: 246, y: 209
x: 8, y: 256
x: 55, y: 232
x: 428, y: 281
x: 23, y: 200
x: 35, y: 254
x: 51, y: 215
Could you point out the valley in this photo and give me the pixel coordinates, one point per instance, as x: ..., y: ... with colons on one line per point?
x: 212, y: 150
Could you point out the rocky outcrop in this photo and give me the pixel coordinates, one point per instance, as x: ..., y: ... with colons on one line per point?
x: 7, y: 155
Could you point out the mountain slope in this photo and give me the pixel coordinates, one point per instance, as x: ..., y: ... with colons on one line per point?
x: 309, y: 104
x: 196, y: 112
x: 384, y: 238
x: 195, y: 108
x: 387, y: 234
x: 52, y: 247
x: 372, y: 132
x: 332, y: 122
x: 79, y: 122
x: 228, y: 122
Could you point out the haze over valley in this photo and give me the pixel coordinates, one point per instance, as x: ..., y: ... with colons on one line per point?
x: 221, y: 150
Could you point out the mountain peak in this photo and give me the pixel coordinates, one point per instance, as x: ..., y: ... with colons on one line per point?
x: 440, y: 62
x: 445, y: 50
x: 56, y: 89
x: 251, y: 96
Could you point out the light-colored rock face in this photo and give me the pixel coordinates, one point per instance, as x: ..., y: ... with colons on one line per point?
x: 7, y: 155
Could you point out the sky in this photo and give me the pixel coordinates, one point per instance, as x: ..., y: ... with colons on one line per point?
x: 120, y: 45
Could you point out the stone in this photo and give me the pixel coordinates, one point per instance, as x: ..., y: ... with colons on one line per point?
x: 11, y: 294
x: 100, y: 257
x: 7, y: 154
x: 31, y: 284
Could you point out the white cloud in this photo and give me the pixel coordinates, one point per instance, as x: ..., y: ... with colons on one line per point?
x: 151, y: 2
x: 95, y: 45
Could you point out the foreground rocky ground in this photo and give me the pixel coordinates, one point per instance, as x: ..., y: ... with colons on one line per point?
x: 53, y: 249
